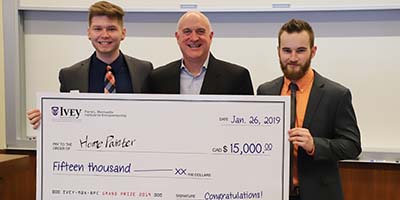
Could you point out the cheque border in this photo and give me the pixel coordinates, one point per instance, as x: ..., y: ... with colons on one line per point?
x: 114, y: 98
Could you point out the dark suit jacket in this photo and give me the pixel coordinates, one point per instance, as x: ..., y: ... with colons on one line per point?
x: 221, y: 78
x: 76, y: 77
x: 332, y: 122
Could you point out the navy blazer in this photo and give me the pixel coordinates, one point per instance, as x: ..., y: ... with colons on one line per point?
x: 332, y: 122
x: 221, y: 78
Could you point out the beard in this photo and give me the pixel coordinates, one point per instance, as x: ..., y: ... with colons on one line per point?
x: 295, y: 73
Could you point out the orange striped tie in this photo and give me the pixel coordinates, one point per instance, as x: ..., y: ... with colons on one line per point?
x: 109, y: 81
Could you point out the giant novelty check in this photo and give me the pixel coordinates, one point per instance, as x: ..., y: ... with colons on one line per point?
x: 167, y: 147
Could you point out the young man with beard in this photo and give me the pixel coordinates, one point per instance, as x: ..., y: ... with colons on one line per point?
x: 325, y: 129
x: 106, y: 31
x: 199, y: 72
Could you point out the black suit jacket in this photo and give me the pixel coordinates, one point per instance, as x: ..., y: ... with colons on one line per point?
x: 332, y: 122
x: 221, y: 78
x: 76, y: 77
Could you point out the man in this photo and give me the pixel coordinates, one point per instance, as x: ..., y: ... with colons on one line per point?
x: 326, y: 128
x: 199, y: 72
x: 106, y: 31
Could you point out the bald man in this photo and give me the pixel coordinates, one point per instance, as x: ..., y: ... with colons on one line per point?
x: 199, y: 72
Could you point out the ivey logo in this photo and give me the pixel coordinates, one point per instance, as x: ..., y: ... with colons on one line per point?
x: 59, y: 111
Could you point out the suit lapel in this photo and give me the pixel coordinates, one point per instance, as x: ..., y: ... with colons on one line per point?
x: 83, y: 76
x: 212, y: 77
x: 317, y: 91
x: 134, y: 73
x: 276, y: 87
x: 170, y: 81
x: 175, y: 77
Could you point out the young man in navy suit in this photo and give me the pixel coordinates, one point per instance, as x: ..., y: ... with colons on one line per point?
x: 106, y: 31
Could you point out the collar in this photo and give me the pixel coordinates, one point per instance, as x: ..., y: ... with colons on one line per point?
x: 303, y: 82
x: 116, y: 64
x: 205, y: 64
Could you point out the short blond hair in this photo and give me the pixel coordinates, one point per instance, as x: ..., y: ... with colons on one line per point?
x: 105, y: 8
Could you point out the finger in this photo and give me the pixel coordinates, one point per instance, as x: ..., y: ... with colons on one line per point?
x: 293, y: 134
x: 34, y: 120
x: 34, y: 115
x: 36, y: 125
x: 300, y: 139
x: 32, y: 111
x: 296, y: 134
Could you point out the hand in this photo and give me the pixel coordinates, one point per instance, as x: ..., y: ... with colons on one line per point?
x: 303, y: 138
x: 34, y: 117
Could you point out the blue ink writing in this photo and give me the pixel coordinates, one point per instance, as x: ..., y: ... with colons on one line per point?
x: 109, y: 142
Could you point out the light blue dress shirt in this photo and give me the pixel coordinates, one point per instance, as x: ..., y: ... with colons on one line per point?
x: 191, y: 84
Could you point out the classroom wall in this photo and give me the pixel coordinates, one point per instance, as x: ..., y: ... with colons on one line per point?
x: 355, y: 48
x: 2, y: 95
